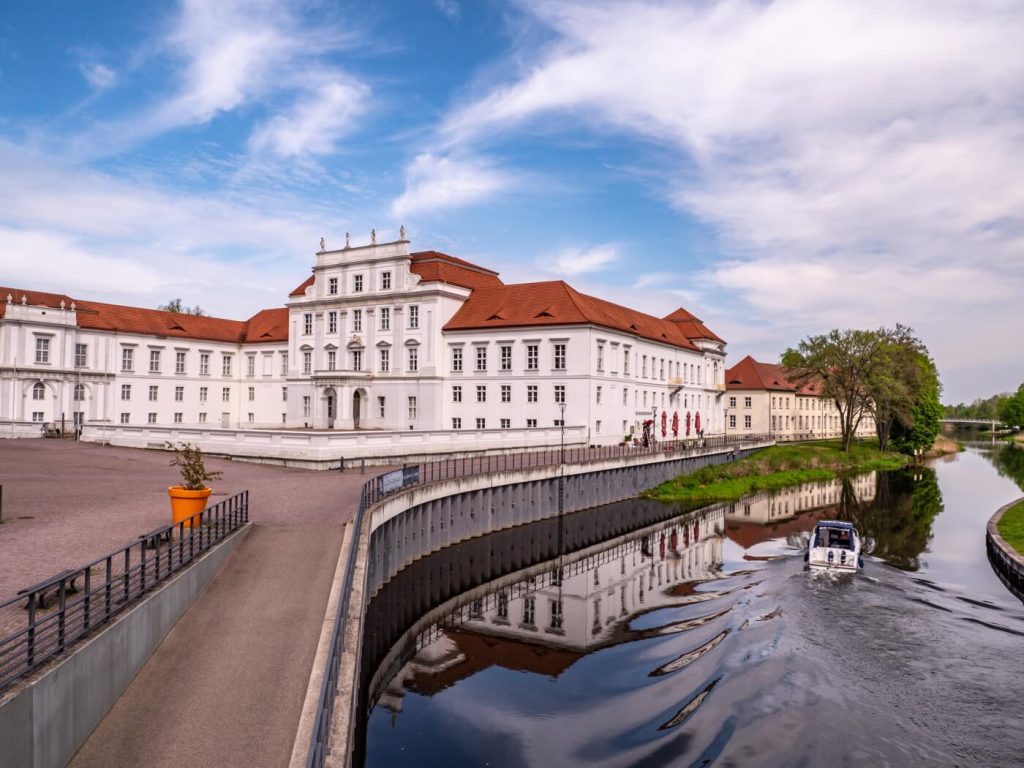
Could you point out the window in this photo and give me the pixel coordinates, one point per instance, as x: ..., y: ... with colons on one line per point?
x: 204, y: 364
x: 732, y: 402
x: 506, y: 423
x: 42, y: 350
x: 39, y: 391
x: 531, y: 393
x: 79, y: 393
x: 357, y: 284
x: 357, y: 320
x: 506, y: 393
x: 625, y: 362
x: 556, y: 614
x: 179, y: 394
x: 332, y: 322
x: 37, y: 416
x: 414, y: 359
x: 559, y: 422
x: 81, y: 355
x: 380, y: 406
x: 625, y: 395
x: 250, y: 365
x: 532, y: 357
x: 481, y: 423
x: 332, y: 286
x: 357, y: 359
x: 661, y: 369
x: 456, y: 423
x: 643, y: 368
x: 747, y: 402
x: 332, y: 359
x: 503, y: 605
x: 179, y: 362
x: 559, y: 393
x: 597, y: 394
x: 456, y: 394
x: 284, y: 394
x: 531, y: 423
x: 252, y: 394
x: 250, y: 417
x: 127, y: 359
x: 600, y: 357
x: 225, y: 365
x: 306, y: 400
x: 225, y: 394
x: 385, y: 318
x: 153, y: 392
x: 506, y: 358
x: 559, y: 357
x: 151, y: 418
x: 307, y: 323
x: 307, y: 362
x: 412, y: 407
x: 457, y: 359
x: 481, y: 358
x: 385, y: 360
x: 481, y: 393
x: 528, y: 610
x: 414, y: 316
x: 746, y: 422
x: 284, y: 363
x: 177, y: 418
x: 385, y: 281
x: 732, y: 422
x: 125, y: 418
x: 154, y: 361
x: 203, y: 393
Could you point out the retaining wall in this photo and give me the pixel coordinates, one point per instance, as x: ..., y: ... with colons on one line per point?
x: 46, y: 719
x: 1007, y: 562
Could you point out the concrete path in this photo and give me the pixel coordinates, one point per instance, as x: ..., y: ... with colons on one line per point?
x: 226, y: 686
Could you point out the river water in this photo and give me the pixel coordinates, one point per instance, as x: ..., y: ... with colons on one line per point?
x: 697, y: 637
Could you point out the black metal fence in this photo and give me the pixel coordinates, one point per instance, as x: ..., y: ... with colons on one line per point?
x: 389, y: 483
x: 70, y: 605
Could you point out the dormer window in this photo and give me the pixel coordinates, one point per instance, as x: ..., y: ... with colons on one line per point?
x: 385, y: 281
x: 357, y: 284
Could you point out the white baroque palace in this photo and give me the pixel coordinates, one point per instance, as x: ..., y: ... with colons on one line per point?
x: 376, y: 338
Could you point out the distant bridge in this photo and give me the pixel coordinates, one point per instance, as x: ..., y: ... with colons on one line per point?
x: 993, y: 423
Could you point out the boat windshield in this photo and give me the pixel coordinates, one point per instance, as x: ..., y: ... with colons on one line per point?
x: 835, y: 538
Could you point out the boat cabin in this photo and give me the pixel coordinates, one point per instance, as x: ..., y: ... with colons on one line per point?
x: 834, y: 535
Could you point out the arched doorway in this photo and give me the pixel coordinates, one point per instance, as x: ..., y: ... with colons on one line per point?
x: 357, y: 401
x: 332, y: 406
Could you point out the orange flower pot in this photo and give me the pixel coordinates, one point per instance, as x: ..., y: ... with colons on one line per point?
x: 186, y: 503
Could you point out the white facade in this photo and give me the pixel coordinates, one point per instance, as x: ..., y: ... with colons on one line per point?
x: 365, y: 348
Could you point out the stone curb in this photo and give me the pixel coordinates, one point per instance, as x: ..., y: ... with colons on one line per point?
x: 1008, y: 562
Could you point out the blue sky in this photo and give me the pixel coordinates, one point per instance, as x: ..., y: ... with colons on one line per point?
x: 777, y: 168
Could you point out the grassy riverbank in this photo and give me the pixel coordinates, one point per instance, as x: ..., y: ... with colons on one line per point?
x: 1011, y: 526
x: 776, y: 467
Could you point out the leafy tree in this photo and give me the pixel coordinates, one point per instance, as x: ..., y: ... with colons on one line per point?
x: 176, y: 306
x: 895, y: 384
x: 1011, y: 409
x: 919, y: 430
x: 844, y: 362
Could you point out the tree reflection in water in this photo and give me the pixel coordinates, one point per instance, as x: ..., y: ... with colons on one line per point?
x: 1009, y: 462
x: 897, y: 524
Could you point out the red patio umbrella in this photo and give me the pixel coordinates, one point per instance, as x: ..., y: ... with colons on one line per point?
x: 675, y: 424
x: 696, y: 422
x: 687, y: 423
x: 664, y: 423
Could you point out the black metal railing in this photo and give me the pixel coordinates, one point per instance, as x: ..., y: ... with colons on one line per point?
x: 63, y: 609
x: 389, y: 483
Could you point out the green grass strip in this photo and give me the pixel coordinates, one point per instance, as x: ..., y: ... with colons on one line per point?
x: 1011, y: 526
x: 777, y: 467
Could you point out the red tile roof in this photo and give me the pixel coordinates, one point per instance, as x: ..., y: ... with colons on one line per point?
x: 748, y: 373
x: 301, y: 290
x: 557, y: 303
x: 265, y: 326
x: 692, y: 326
x: 434, y: 266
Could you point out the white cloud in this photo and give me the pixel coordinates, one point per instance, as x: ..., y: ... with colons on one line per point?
x: 449, y: 8
x: 578, y: 261
x: 99, y: 76
x: 438, y: 182
x: 857, y: 158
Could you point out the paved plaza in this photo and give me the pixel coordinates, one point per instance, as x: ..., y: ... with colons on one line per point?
x: 227, y: 684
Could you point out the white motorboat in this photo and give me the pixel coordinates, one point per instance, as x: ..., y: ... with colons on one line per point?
x: 834, y: 546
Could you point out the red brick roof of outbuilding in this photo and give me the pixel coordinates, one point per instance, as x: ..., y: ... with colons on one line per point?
x: 557, y: 303
x: 265, y: 326
x: 748, y: 373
